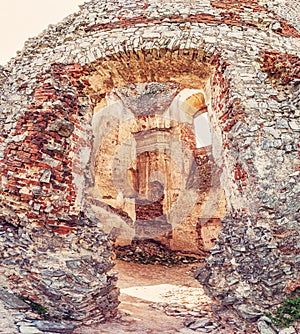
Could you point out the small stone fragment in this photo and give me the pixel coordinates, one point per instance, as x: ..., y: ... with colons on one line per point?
x: 63, y: 127
x: 12, y: 301
x: 248, y: 312
x: 54, y: 327
x: 265, y: 328
x: 29, y: 328
x: 46, y: 176
x: 290, y: 330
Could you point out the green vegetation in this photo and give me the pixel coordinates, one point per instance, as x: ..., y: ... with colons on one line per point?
x: 38, y: 308
x: 153, y: 91
x: 289, y: 312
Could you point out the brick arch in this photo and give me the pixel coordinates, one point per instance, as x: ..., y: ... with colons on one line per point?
x: 187, y: 68
x: 48, y: 171
x: 78, y: 90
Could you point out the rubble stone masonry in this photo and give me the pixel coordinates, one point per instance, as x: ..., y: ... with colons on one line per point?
x: 243, y: 56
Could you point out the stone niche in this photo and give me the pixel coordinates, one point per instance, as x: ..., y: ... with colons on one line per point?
x: 149, y: 172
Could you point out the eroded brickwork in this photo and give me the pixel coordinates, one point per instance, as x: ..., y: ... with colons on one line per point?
x: 244, y: 58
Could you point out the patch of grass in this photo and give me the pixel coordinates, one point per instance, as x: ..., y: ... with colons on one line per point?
x: 289, y: 312
x: 36, y: 307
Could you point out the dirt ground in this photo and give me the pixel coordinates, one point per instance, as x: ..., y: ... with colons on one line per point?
x: 157, y: 299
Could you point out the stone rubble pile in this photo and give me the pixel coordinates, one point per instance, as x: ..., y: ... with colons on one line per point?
x: 151, y: 252
x: 64, y: 275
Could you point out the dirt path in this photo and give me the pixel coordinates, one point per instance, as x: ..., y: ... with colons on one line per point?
x: 134, y: 274
x: 146, y: 290
x: 139, y: 314
x: 156, y: 299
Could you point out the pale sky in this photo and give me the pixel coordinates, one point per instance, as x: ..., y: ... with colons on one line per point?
x: 21, y: 19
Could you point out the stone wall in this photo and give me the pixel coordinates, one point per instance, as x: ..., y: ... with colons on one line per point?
x: 242, y: 55
x: 69, y: 275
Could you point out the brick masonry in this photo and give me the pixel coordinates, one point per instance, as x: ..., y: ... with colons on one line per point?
x: 244, y: 56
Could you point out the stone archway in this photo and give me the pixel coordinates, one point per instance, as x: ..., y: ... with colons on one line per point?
x: 79, y: 130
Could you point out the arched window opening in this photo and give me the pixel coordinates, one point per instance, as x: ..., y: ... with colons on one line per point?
x: 202, y: 131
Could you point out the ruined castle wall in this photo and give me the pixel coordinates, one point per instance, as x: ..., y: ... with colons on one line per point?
x: 250, y: 72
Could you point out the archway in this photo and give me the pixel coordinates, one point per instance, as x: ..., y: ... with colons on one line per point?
x: 145, y: 162
x: 78, y: 95
x: 149, y: 172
